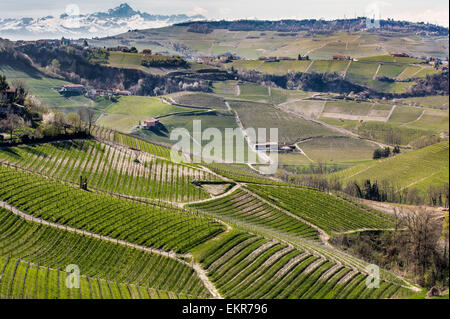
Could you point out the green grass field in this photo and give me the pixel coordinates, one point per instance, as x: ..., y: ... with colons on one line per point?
x: 199, y: 100
x: 126, y: 114
x: 221, y: 121
x: 134, y: 60
x: 44, y: 87
x: 290, y: 128
x: 438, y: 102
x: 338, y: 149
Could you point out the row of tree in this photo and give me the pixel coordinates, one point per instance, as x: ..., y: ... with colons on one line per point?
x: 389, y: 191
x: 386, y: 152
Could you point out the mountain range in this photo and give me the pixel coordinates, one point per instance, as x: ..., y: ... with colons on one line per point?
x: 98, y: 24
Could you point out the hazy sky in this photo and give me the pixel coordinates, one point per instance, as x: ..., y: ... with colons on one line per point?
x: 434, y: 11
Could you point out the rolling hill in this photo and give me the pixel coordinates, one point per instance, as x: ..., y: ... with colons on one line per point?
x: 415, y: 169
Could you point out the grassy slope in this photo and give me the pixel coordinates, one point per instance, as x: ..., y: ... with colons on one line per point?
x: 290, y: 128
x: 130, y: 110
x: 43, y: 86
x: 338, y: 149
x: 416, y: 169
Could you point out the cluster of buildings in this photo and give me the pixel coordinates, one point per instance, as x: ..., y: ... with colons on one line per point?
x: 224, y: 58
x: 275, y: 59
x: 78, y: 89
x: 119, y: 48
x: 72, y: 89
x: 94, y: 93
x: 339, y: 57
x: 122, y: 48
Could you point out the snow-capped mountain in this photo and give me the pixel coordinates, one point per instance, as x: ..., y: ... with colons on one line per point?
x: 99, y: 24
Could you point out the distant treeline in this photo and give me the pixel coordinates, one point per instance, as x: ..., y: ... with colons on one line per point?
x: 78, y: 66
x: 317, y: 82
x: 356, y: 24
x: 163, y: 61
x: 436, y: 84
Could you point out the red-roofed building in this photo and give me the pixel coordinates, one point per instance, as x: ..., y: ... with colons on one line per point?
x: 150, y: 123
x: 340, y: 57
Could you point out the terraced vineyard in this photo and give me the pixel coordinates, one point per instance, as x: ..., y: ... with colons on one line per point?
x: 325, y: 211
x: 147, y: 225
x: 241, y: 173
x: 243, y: 206
x: 48, y: 250
x: 133, y: 142
x: 24, y: 280
x: 248, y: 266
x: 112, y: 168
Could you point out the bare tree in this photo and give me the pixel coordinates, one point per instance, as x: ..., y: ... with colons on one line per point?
x: 10, y: 123
x: 21, y: 89
x: 87, y: 115
x: 423, y: 232
x: 74, y: 120
x: 59, y: 121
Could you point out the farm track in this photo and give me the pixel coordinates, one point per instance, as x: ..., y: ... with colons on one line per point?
x: 346, y: 69
x: 303, y: 152
x: 376, y: 72
x: 390, y: 113
x: 417, y: 119
x: 178, y: 257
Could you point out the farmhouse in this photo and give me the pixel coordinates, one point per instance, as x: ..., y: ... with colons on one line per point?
x: 266, y: 146
x: 150, y: 123
x: 119, y: 48
x: 340, y: 57
x: 272, y: 59
x: 72, y: 88
x: 287, y: 148
x: 122, y: 92
x: 10, y: 94
x: 206, y: 59
x: 225, y: 58
x: 92, y: 93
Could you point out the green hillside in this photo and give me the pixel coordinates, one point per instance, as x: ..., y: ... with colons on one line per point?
x: 414, y: 169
